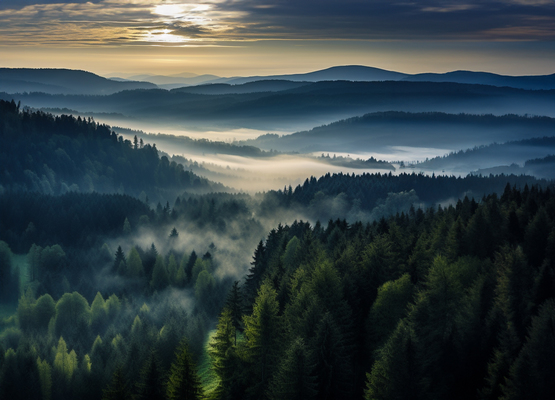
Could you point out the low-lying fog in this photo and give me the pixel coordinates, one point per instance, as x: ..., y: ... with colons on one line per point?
x: 255, y: 174
x: 224, y: 135
x: 222, y: 156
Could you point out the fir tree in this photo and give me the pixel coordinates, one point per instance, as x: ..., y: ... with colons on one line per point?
x: 183, y: 382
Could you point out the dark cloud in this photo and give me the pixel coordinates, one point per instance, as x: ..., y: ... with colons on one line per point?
x: 18, y: 4
x: 362, y: 19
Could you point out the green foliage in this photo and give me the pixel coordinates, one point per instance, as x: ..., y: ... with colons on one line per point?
x: 220, y: 350
x: 151, y: 383
x: 118, y: 389
x: 134, y: 264
x: 98, y: 311
x: 294, y: 379
x: 395, y: 374
x: 45, y: 376
x: 183, y: 381
x: 9, y: 279
x: 172, y: 270
x: 531, y: 374
x: 65, y: 363
x: 160, y: 279
x: 262, y: 331
x: 391, y: 305
x: 72, y: 315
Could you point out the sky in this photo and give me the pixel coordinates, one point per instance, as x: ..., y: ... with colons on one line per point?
x: 263, y: 37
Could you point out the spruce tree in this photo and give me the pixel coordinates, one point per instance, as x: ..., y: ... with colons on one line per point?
x: 118, y: 388
x: 262, y: 330
x: 183, y: 382
x: 151, y: 383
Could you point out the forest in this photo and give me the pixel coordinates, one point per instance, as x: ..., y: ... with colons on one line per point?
x: 155, y: 283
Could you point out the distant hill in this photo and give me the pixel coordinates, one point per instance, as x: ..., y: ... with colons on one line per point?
x: 543, y: 168
x: 339, y: 73
x: 370, y: 74
x: 63, y: 81
x: 173, y: 81
x: 249, y: 87
x: 544, y: 82
x: 493, y: 155
x: 303, y: 107
x: 382, y: 130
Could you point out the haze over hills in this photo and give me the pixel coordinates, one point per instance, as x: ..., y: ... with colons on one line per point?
x: 340, y: 73
x: 540, y: 82
x: 386, y: 129
x: 363, y: 74
x: 63, y: 81
x: 274, y: 85
x: 303, y: 107
x: 517, y: 153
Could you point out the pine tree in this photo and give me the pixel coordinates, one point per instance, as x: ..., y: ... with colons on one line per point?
x: 234, y: 303
x: 172, y: 269
x: 219, y: 351
x: 395, y: 374
x: 118, y: 388
x: 120, y: 258
x: 126, y: 227
x: 293, y: 379
x: 531, y: 374
x: 254, y: 276
x: 262, y: 330
x: 160, y: 278
x: 134, y: 264
x: 151, y: 383
x: 183, y: 382
x: 45, y: 376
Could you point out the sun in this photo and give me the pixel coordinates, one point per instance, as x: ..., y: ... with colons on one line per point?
x: 171, y: 10
x: 164, y: 36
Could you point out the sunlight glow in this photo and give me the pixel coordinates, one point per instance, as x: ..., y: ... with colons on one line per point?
x: 164, y: 36
x: 171, y: 10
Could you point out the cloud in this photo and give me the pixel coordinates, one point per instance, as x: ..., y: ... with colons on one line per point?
x: 172, y: 22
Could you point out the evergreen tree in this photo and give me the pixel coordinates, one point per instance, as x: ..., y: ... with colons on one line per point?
x: 332, y: 363
x: 126, y: 227
x: 120, y: 258
x: 118, y: 388
x: 220, y: 352
x: 254, y: 277
x: 531, y: 375
x: 234, y: 303
x: 160, y: 279
x: 172, y: 269
x: 293, y: 379
x: 183, y: 382
x: 262, y: 330
x: 134, y: 264
x: 45, y: 376
x: 395, y: 374
x: 151, y: 385
x: 190, y: 264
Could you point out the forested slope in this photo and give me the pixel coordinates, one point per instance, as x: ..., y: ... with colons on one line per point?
x: 451, y: 303
x: 55, y: 155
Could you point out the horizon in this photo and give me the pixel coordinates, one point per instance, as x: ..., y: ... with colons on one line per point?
x: 114, y: 37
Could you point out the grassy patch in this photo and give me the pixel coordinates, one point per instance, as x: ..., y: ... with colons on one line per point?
x: 208, y: 378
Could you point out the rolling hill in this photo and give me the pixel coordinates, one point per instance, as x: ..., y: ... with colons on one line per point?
x: 63, y: 81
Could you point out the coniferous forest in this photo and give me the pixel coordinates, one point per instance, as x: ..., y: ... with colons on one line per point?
x: 125, y: 276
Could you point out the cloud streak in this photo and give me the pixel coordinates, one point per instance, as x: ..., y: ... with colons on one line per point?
x: 178, y: 22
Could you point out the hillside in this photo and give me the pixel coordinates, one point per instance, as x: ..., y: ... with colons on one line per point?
x: 55, y: 155
x: 63, y: 81
x: 539, y: 82
x: 303, y: 107
x: 376, y: 131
